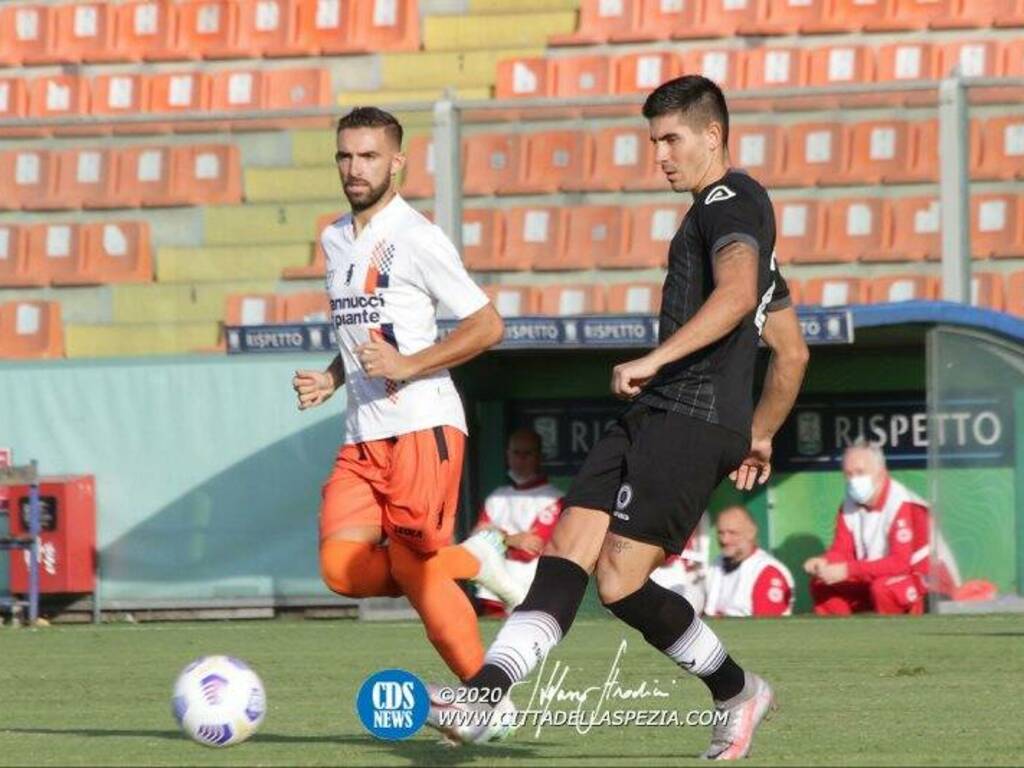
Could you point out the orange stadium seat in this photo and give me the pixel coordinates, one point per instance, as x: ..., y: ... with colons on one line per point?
x: 836, y: 65
x: 419, y: 168
x: 844, y: 16
x: 19, y: 266
x: 599, y: 20
x: 773, y: 68
x: 795, y: 291
x: 482, y: 234
x: 116, y: 95
x: 86, y: 178
x: 657, y: 20
x: 562, y: 300
x: 172, y: 93
x: 833, y: 291
x: 814, y: 154
x: 902, y: 15
x: 286, y: 89
x: 548, y: 159
x: 1000, y: 155
x: 973, y: 58
x: 651, y: 230
x: 916, y: 233
x: 491, y: 161
x: 893, y: 288
x: 385, y: 25
x: 113, y: 252
x: 13, y: 98
x: 85, y: 32
x: 209, y: 29
x: 28, y: 34
x: 783, y: 17
x: 237, y: 90
x: 146, y: 30
x: 324, y: 26
x: 799, y: 230
x: 254, y: 309
x: 514, y: 300
x: 145, y: 177
x: 876, y: 151
x: 854, y: 228
x: 641, y: 72
x: 307, y: 307
x: 28, y: 179
x: 581, y: 76
x: 724, y: 66
x: 524, y: 77
x: 1009, y: 13
x: 907, y: 62
x: 987, y: 291
x: 634, y: 298
x: 268, y: 28
x: 594, y: 235
x: 207, y: 174
x: 612, y: 158
x: 60, y: 248
x: 533, y: 235
x: 968, y: 14
x: 58, y: 96
x: 1014, y: 299
x: 31, y: 329
x: 717, y: 18
x: 997, y: 226
x: 759, y: 150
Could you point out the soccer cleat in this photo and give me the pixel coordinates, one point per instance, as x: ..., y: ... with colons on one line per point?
x: 488, y: 547
x: 463, y: 723
x: 732, y: 739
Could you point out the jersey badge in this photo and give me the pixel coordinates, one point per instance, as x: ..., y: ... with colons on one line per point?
x: 721, y: 192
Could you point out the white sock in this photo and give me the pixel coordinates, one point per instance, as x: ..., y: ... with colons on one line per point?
x: 698, y: 650
x: 523, y: 642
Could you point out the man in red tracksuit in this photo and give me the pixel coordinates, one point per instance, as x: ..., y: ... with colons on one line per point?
x: 878, y: 560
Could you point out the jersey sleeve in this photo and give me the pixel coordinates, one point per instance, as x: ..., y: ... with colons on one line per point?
x: 544, y: 525
x: 731, y: 214
x: 780, y: 297
x: 842, y: 549
x: 443, y: 275
x: 771, y: 593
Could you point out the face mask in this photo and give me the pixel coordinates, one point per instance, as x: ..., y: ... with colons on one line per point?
x: 860, y: 488
x: 520, y: 479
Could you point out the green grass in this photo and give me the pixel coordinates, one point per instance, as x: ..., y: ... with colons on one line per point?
x: 864, y: 691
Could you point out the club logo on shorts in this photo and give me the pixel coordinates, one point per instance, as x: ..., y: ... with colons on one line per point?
x: 721, y: 192
x: 624, y: 496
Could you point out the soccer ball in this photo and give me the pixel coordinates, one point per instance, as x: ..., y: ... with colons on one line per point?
x: 218, y: 701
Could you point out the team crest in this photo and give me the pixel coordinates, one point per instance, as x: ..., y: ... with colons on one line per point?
x: 721, y: 192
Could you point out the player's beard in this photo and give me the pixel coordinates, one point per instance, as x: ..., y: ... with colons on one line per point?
x: 369, y: 196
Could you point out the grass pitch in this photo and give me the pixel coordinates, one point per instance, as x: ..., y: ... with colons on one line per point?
x: 863, y: 691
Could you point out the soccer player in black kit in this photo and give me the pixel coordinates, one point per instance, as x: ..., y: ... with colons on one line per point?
x: 690, y: 423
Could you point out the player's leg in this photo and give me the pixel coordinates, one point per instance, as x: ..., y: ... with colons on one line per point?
x: 842, y: 599
x: 893, y: 595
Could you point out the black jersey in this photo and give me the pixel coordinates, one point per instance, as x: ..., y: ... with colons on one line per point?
x: 715, y: 384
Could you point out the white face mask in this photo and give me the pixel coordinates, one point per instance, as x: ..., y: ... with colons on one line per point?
x: 860, y: 488
x: 520, y: 479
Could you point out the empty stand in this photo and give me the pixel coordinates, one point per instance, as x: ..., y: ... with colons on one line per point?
x: 147, y: 30
x: 582, y: 76
x: 514, y: 300
x: 117, y: 95
x: 916, y: 231
x: 783, y: 17
x: 717, y: 18
x: 208, y: 29
x: 987, y: 291
x: 854, y: 229
x: 548, y: 160
x: 19, y: 266
x: 799, y: 229
x: 145, y: 178
x: 759, y: 150
x: 997, y: 226
x: 86, y: 178
x: 658, y: 20
x: 724, y: 66
x: 562, y: 300
x: 1008, y: 13
x: 651, y: 230
x: 642, y: 72
x: 634, y: 298
x: 31, y: 329
x: 595, y: 235
x: 58, y: 96
x: 483, y: 232
x: 998, y: 149
x: 613, y: 159
x: 767, y: 68
x: 178, y: 93
x: 28, y: 34
x: 13, y: 98
x: 59, y: 248
x: 86, y: 32
x: 876, y: 151
x: 845, y: 16
x: 533, y: 236
x: 317, y: 266
x: 254, y: 309
x: 524, y: 77
x: 599, y: 21
x: 814, y: 154
x: 833, y: 291
x: 900, y: 15
x: 113, y: 252
x: 307, y: 307
x: 28, y: 179
x: 269, y: 28
x: 419, y: 168
x: 207, y: 173
x: 837, y: 65
x: 895, y: 288
x: 491, y: 161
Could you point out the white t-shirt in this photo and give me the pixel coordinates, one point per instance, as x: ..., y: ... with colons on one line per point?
x: 387, y: 283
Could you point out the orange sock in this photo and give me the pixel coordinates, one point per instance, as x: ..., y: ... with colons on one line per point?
x: 447, y: 614
x: 458, y: 562
x: 357, y: 569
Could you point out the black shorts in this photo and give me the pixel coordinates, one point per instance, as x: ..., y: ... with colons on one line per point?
x: 654, y: 471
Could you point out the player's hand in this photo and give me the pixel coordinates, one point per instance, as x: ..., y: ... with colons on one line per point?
x: 833, y: 573
x: 313, y: 388
x: 756, y: 468
x: 629, y: 378
x: 380, y: 360
x: 528, y: 542
x: 813, y: 565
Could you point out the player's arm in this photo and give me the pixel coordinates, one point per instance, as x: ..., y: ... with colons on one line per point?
x: 733, y: 298
x: 314, y: 388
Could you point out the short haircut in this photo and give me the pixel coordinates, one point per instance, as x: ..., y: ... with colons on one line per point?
x: 372, y: 117
x: 863, y: 444
x: 526, y: 433
x: 699, y: 100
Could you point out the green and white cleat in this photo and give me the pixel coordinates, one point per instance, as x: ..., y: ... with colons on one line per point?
x: 488, y: 547
x: 732, y: 739
x: 463, y: 723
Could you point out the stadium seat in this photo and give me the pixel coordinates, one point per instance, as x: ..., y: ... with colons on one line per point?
x: 657, y: 20
x: 844, y: 16
x: 13, y: 98
x: 28, y: 34
x: 997, y: 226
x: 642, y: 72
x: 987, y: 291
x: 1000, y: 153
x: 60, y: 248
x: 968, y: 14
x: 613, y: 157
x: 581, y: 76
x: 145, y: 178
x: 31, y: 329
x: 291, y: 89
x: 86, y: 32
x: 594, y: 235
x: 514, y: 300
x: 795, y: 291
x: 876, y: 151
x: 634, y: 298
x: 1009, y: 13
x: 799, y: 229
x: 533, y: 235
x: 836, y: 65
x: 907, y: 62
x: 209, y: 29
x: 783, y: 17
x: 563, y: 300
x: 269, y: 28
x: 19, y: 267
x: 307, y: 307
x: 766, y: 68
x: 58, y: 96
x: 973, y: 58
x: 113, y: 252
x: 385, y: 25
x: 814, y: 154
x: 759, y: 150
x: 1014, y: 299
x: 117, y: 95
x: 483, y: 231
x: 491, y: 160
x: 176, y: 93
x: 894, y: 288
x: 916, y: 233
x: 723, y: 65
x: 717, y: 18
x: 207, y: 174
x: 86, y: 178
x: 419, y: 167
x: 548, y: 159
x: 833, y: 291
x: 237, y: 90
x: 254, y: 309
x: 651, y: 230
x: 854, y: 229
x: 599, y: 20
x: 28, y: 179
x: 901, y: 15
x: 325, y: 26
x: 146, y: 30
x: 524, y: 77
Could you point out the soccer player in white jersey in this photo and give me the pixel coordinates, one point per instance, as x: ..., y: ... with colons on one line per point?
x: 396, y: 476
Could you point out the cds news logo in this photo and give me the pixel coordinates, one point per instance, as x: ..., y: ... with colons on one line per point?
x: 392, y: 704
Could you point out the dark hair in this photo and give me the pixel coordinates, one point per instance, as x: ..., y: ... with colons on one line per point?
x: 695, y: 96
x: 372, y: 117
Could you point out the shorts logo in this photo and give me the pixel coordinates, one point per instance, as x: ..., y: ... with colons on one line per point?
x: 624, y: 496
x: 721, y: 192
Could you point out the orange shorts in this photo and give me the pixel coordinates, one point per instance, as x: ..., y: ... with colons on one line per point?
x: 408, y: 485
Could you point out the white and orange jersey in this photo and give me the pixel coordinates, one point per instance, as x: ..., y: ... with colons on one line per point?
x: 386, y: 284
x: 760, y: 585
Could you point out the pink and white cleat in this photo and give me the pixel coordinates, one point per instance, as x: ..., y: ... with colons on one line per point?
x: 732, y: 739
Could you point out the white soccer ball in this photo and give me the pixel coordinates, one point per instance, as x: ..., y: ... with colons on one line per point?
x: 218, y: 701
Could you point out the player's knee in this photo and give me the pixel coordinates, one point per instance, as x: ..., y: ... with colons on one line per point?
x: 612, y: 583
x: 879, y: 590
x: 338, y: 569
